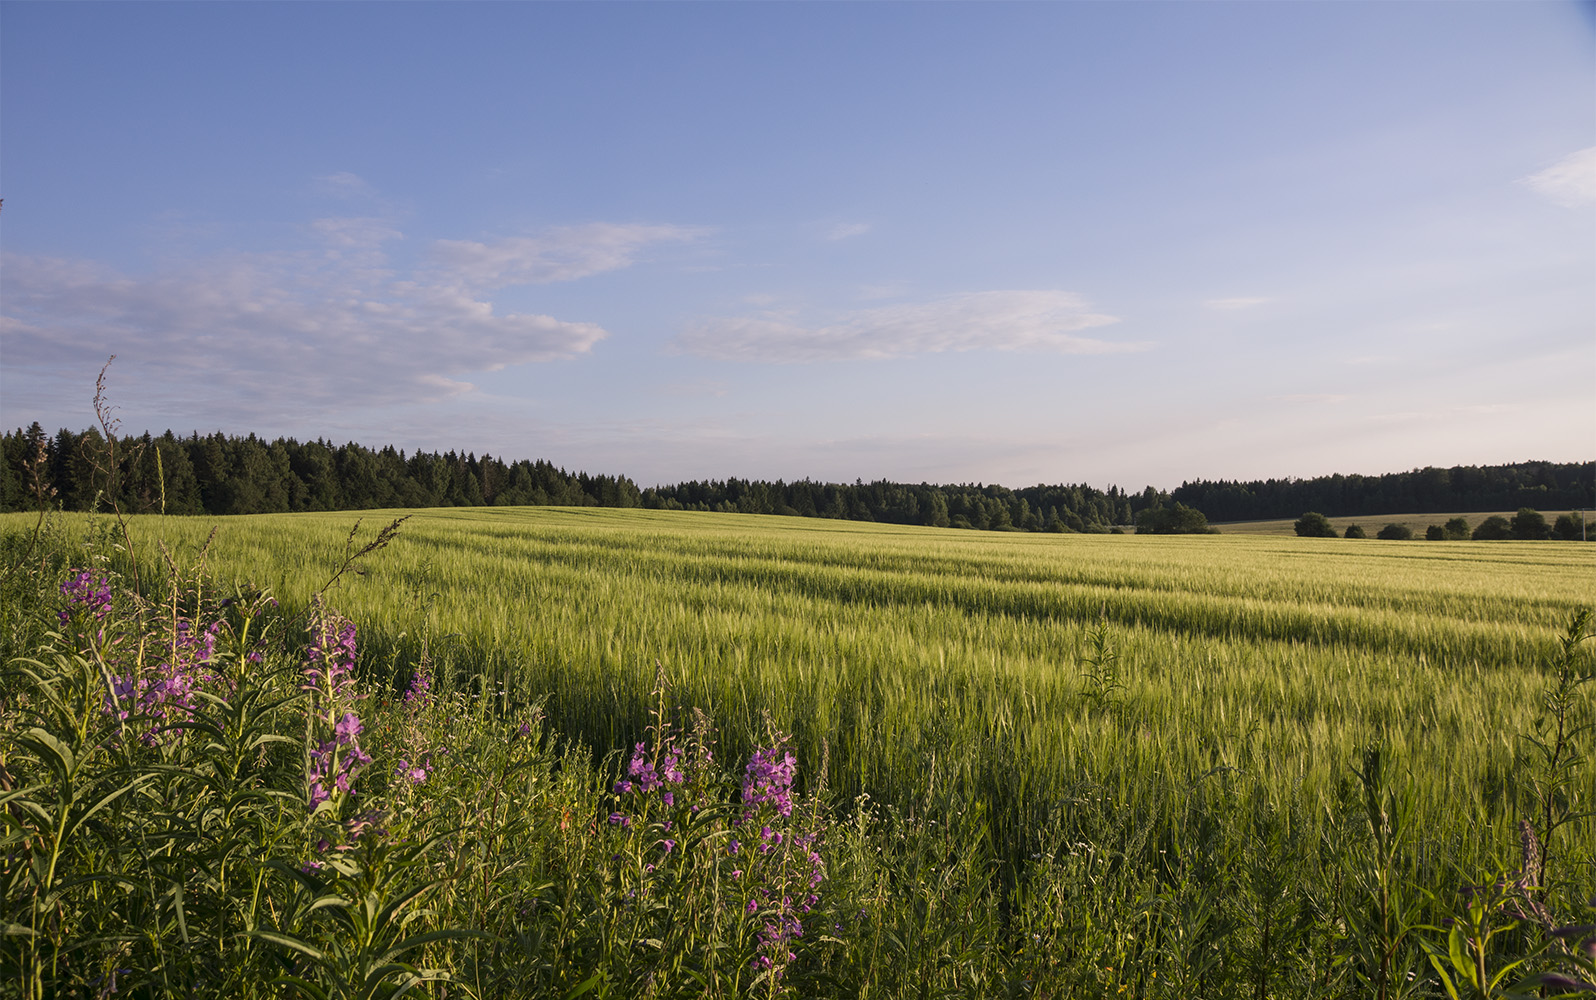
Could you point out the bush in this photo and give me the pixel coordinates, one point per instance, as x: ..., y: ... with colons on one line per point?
x: 1457, y: 529
x: 1395, y: 532
x: 1493, y: 529
x: 1314, y: 525
x: 1177, y: 520
x: 1528, y: 525
x: 1569, y: 528
x: 1355, y: 531
x: 1435, y: 533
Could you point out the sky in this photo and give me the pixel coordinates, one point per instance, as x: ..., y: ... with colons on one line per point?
x: 1017, y: 243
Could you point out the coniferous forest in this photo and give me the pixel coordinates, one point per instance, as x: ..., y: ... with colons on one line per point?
x: 226, y: 474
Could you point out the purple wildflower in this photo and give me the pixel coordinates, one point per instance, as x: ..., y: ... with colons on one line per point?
x: 769, y: 778
x: 86, y: 590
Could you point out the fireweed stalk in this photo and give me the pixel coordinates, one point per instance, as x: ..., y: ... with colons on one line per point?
x: 781, y: 866
x: 332, y: 726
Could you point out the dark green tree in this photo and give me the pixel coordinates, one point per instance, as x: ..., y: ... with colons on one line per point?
x: 1528, y: 525
x: 1493, y: 529
x: 1569, y: 527
x: 1314, y: 525
x: 1435, y: 533
x: 1457, y: 529
x: 1395, y: 532
x: 1355, y: 531
x: 1177, y: 520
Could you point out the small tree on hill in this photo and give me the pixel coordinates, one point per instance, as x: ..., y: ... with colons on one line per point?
x: 1314, y: 525
x: 1177, y: 520
x: 1395, y: 532
x: 1493, y: 529
x: 1354, y: 531
x: 1569, y: 527
x: 1435, y: 533
x: 1529, y: 525
x: 1457, y: 529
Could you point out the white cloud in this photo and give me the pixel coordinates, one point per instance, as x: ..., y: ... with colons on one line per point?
x: 847, y: 230
x: 344, y: 185
x: 993, y: 321
x: 563, y: 254
x: 1236, y: 303
x: 1570, y: 181
x: 327, y: 328
x: 360, y: 232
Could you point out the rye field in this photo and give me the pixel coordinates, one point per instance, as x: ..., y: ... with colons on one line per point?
x: 1024, y: 764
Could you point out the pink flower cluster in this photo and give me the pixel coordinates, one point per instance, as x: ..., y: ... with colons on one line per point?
x: 642, y: 775
x: 334, y: 762
x: 87, y: 590
x: 769, y: 778
x: 166, y: 692
x: 330, y: 674
x: 330, y: 659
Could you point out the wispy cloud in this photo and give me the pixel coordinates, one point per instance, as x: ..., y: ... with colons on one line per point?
x: 362, y: 232
x: 846, y: 230
x: 329, y: 326
x: 1236, y: 303
x: 1570, y: 181
x: 563, y: 254
x: 994, y: 321
x: 344, y: 185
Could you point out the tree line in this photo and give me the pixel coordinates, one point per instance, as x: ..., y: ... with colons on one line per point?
x: 229, y: 474
x: 1461, y: 488
x: 225, y: 474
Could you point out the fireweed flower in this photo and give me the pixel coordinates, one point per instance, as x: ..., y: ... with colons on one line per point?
x: 165, y: 693
x: 329, y: 675
x: 768, y: 778
x: 88, y: 591
x: 419, y: 693
x: 785, y: 870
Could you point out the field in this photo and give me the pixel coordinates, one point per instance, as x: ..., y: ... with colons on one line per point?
x: 1152, y: 729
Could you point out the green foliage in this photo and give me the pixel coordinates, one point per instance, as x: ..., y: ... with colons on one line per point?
x: 1529, y: 525
x: 1570, y: 528
x: 1314, y: 525
x: 1456, y: 529
x: 1355, y: 531
x: 1493, y: 529
x: 1395, y: 532
x: 1435, y: 533
x: 1176, y: 520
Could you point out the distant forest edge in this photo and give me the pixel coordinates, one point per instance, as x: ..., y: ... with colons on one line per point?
x: 220, y: 474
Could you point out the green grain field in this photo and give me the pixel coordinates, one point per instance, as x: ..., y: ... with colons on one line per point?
x: 925, y: 655
x: 1243, y: 765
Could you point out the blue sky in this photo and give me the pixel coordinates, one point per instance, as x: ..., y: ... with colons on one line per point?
x: 1129, y: 243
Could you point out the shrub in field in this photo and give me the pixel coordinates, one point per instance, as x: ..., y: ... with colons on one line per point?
x: 1355, y: 531
x: 1395, y: 532
x: 1314, y: 525
x: 1493, y: 529
x: 1456, y: 529
x: 1569, y: 528
x: 1176, y: 520
x: 1529, y: 525
x: 1435, y: 533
